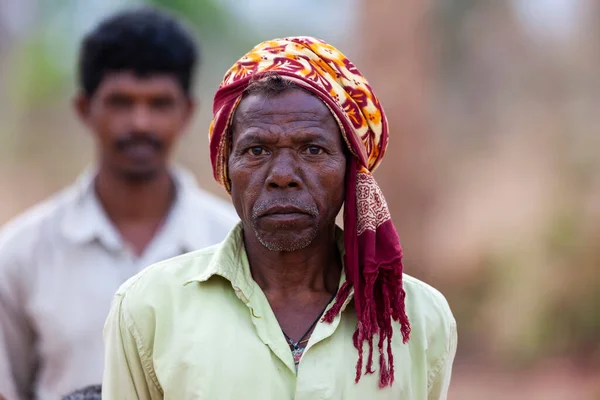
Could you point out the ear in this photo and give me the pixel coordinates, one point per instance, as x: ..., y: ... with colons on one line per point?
x: 81, y: 105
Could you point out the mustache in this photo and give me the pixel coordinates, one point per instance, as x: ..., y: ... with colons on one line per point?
x: 131, y: 139
x: 261, y: 206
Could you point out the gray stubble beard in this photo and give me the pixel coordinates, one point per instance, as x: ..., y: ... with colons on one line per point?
x: 285, y: 245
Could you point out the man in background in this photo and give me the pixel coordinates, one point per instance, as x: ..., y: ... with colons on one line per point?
x: 62, y: 261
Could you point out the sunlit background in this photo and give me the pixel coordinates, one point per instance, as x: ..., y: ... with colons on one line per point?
x: 492, y: 173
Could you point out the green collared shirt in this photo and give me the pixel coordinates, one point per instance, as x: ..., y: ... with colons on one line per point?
x: 199, y: 327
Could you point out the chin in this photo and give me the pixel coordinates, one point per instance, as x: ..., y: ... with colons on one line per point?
x: 286, y: 241
x: 139, y: 175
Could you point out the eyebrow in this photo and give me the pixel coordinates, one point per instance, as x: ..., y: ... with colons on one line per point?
x: 304, y: 137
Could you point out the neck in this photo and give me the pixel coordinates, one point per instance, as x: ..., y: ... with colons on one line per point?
x: 125, y: 201
x: 316, y: 268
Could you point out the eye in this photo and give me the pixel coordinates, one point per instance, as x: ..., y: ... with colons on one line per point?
x: 162, y: 103
x: 314, y: 150
x: 119, y: 101
x: 256, y: 151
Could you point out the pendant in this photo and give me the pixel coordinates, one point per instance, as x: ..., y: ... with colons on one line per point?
x: 297, y: 354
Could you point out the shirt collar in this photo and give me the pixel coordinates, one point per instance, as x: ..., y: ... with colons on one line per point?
x: 85, y: 219
x: 230, y: 261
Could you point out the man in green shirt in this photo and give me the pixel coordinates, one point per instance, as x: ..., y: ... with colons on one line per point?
x: 289, y: 306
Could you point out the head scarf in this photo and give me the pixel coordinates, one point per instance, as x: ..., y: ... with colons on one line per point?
x: 373, y: 256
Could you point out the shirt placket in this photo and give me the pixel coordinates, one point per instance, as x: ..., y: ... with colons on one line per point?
x: 267, y: 327
x: 314, y: 380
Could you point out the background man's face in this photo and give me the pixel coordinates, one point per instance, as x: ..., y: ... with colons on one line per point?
x: 136, y: 120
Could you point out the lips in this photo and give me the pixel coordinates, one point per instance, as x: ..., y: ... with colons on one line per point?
x: 282, y: 210
x: 141, y: 150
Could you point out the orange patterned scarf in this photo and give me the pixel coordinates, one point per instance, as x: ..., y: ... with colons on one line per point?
x: 373, y: 256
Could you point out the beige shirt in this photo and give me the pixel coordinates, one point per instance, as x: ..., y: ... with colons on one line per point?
x: 199, y: 327
x: 60, y: 265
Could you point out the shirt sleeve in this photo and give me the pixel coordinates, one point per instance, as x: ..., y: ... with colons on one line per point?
x: 17, y: 347
x: 128, y: 368
x: 442, y: 372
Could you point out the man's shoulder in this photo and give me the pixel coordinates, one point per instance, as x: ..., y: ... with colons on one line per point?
x: 433, y: 327
x: 24, y: 230
x: 425, y: 303
x: 213, y: 206
x: 160, y: 281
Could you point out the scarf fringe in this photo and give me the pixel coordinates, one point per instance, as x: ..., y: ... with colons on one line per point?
x: 384, y: 302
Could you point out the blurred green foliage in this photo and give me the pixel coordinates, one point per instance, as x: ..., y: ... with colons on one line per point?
x: 43, y: 62
x: 216, y: 25
x: 37, y: 74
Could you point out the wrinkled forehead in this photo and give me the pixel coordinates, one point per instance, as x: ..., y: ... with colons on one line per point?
x: 294, y: 107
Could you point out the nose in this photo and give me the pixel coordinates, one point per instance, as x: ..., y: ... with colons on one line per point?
x: 141, y: 118
x: 283, y: 173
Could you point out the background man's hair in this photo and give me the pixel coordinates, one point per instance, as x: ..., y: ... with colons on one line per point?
x: 142, y: 40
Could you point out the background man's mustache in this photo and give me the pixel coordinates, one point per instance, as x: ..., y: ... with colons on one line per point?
x: 138, y: 138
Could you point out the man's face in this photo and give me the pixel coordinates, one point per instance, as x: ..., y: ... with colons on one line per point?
x: 136, y: 121
x: 287, y: 168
